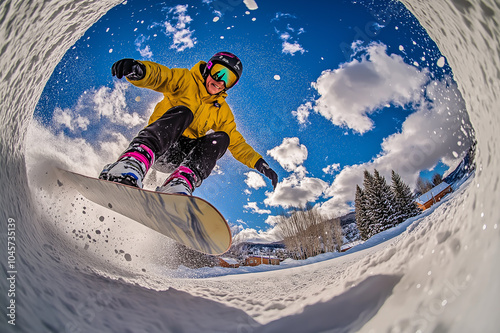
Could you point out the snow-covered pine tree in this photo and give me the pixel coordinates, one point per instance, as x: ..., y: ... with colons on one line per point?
x: 372, y: 223
x: 397, y: 188
x: 405, y: 206
x: 384, y: 206
x: 361, y: 219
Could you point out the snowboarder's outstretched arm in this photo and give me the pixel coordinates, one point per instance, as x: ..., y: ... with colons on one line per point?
x: 129, y: 68
x: 264, y: 168
x: 147, y: 74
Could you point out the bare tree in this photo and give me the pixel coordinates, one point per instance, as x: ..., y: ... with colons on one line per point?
x: 437, y: 179
x: 423, y: 186
x: 338, y: 236
x: 307, y: 233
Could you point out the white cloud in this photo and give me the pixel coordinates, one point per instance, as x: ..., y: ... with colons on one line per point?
x: 376, y: 27
x: 296, y: 191
x: 179, y: 29
x: 254, y: 180
x: 98, y: 108
x: 437, y: 132
x: 253, y: 208
x: 217, y: 170
x: 256, y: 236
x: 69, y: 119
x: 302, y: 113
x: 331, y: 169
x: 289, y: 45
x: 349, y: 94
x: 144, y: 50
x: 343, y: 189
x: 285, y: 36
x: 290, y: 154
x: 289, y: 48
x: 440, y: 130
x: 281, y: 15
x: 273, y: 220
x: 240, y: 221
x: 112, y: 104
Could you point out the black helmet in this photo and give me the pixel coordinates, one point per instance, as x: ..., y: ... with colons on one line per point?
x: 228, y: 60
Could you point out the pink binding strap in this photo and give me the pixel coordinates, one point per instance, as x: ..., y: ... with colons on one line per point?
x: 177, y: 174
x: 137, y: 156
x: 150, y: 152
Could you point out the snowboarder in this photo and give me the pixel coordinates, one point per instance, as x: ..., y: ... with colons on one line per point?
x: 176, y: 134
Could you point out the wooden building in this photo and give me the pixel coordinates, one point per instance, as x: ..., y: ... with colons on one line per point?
x: 435, y: 195
x: 261, y: 260
x: 228, y: 262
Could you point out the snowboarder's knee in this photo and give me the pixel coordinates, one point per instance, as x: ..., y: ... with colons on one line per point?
x: 219, y: 138
x: 180, y: 110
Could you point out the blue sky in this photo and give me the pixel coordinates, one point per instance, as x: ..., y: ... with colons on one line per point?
x: 328, y: 90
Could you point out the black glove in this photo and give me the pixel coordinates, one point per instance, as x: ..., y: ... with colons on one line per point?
x: 264, y: 168
x: 130, y: 68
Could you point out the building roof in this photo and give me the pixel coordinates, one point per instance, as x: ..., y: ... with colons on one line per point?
x: 426, y: 197
x: 262, y: 256
x: 230, y: 261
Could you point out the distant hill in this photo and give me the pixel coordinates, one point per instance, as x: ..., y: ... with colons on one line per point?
x: 275, y: 245
x: 248, y: 248
x: 348, y: 219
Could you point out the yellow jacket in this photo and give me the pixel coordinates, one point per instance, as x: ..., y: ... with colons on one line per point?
x: 181, y: 86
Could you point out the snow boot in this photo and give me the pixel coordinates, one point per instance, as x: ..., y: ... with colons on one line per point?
x: 182, y: 181
x: 131, y: 167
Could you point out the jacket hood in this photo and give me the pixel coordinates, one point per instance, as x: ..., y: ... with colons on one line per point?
x: 197, y: 71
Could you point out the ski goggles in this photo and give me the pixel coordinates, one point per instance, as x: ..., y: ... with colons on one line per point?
x: 219, y: 72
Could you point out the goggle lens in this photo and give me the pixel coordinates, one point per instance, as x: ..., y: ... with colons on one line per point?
x: 219, y: 72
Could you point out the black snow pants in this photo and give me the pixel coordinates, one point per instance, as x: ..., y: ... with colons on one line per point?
x: 164, y: 137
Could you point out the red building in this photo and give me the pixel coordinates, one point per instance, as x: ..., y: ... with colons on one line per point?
x: 228, y: 262
x: 435, y: 195
x: 261, y: 260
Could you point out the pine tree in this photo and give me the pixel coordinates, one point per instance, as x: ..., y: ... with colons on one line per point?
x: 374, y: 197
x: 378, y: 203
x: 361, y: 218
x: 405, y: 206
x: 384, y: 206
x: 380, y: 206
x: 369, y: 200
x: 397, y: 187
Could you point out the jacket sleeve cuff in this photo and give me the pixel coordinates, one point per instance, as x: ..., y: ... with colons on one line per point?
x: 142, y: 83
x: 254, y: 161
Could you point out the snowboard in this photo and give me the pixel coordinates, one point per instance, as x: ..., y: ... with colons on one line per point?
x: 189, y: 220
